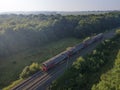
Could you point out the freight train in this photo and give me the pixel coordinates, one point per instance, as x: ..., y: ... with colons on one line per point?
x: 68, y: 53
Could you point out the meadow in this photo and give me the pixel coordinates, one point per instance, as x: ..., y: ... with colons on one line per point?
x: 12, y: 66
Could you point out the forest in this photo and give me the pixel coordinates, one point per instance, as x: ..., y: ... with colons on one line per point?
x: 49, y: 34
x: 98, y: 70
x: 19, y: 32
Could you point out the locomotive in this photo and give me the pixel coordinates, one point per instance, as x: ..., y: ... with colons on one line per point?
x: 52, y: 62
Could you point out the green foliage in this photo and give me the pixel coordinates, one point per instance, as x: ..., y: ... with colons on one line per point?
x: 78, y: 63
x: 11, y: 67
x: 29, y: 70
x: 20, y: 34
x: 87, y: 70
x: 37, y: 30
x: 111, y: 79
x: 87, y: 38
x: 118, y: 32
x: 13, y: 84
x: 25, y: 73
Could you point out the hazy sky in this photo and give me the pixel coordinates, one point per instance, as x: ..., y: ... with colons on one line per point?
x: 58, y: 5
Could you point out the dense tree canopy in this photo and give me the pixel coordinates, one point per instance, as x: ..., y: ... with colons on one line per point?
x: 21, y: 33
x: 111, y: 79
x: 18, y: 32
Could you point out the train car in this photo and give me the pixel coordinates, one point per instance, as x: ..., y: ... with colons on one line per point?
x: 54, y: 61
x: 86, y: 42
x: 94, y: 39
x: 98, y: 37
x: 77, y: 48
x: 68, y: 53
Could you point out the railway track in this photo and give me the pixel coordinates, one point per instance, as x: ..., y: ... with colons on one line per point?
x: 31, y: 85
x: 27, y: 81
x: 40, y: 79
x: 47, y: 76
x: 35, y: 82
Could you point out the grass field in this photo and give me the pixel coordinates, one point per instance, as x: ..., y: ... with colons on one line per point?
x: 11, y: 67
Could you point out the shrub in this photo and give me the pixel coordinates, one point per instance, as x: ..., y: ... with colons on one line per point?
x: 29, y: 70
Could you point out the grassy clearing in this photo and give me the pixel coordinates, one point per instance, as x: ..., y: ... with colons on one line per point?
x: 10, y: 67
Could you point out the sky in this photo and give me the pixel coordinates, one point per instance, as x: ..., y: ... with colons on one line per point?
x: 58, y: 5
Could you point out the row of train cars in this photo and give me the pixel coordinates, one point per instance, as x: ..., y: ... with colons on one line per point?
x: 52, y: 62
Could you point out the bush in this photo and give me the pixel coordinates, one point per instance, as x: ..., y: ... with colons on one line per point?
x: 29, y: 70
x: 118, y: 32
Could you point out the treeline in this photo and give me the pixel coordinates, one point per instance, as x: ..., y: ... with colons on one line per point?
x: 111, y: 79
x: 87, y: 70
x: 19, y: 32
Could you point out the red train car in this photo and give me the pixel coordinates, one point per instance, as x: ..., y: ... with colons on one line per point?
x: 68, y: 53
